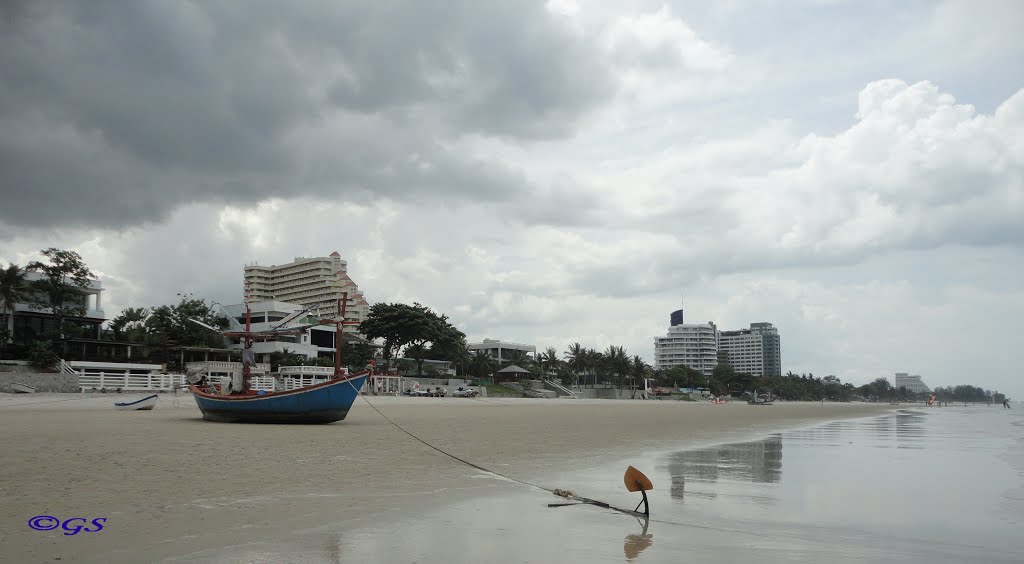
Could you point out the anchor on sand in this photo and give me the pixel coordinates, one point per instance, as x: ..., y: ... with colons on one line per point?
x: 634, y: 480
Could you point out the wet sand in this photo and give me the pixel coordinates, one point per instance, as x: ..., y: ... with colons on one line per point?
x: 170, y: 484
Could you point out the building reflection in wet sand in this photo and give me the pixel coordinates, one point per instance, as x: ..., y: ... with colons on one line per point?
x: 755, y: 461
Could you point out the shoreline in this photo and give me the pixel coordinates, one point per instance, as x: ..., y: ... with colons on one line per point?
x: 171, y: 484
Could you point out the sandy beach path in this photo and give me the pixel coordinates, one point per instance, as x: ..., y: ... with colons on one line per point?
x: 169, y: 483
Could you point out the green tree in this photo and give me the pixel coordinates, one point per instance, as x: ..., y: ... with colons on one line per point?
x: 518, y: 358
x: 358, y: 356
x: 41, y: 355
x: 461, y: 357
x: 638, y: 370
x: 12, y: 291
x: 616, y: 364
x: 592, y: 364
x: 482, y: 365
x: 549, y: 360
x: 130, y: 324
x: 417, y: 352
x: 402, y: 325
x: 168, y: 325
x: 285, y: 357
x: 61, y: 289
x: 575, y: 357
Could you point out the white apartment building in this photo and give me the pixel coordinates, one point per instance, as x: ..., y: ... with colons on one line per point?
x: 743, y: 350
x: 754, y: 351
x: 495, y: 348
x: 265, y: 315
x: 26, y: 322
x: 912, y: 383
x: 316, y: 282
x: 692, y: 345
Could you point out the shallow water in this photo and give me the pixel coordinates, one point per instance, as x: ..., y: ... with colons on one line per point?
x: 935, y: 485
x: 939, y: 485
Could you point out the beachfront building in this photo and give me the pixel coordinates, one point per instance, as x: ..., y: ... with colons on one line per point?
x: 694, y: 345
x: 913, y: 383
x: 27, y: 323
x: 312, y: 342
x: 754, y: 351
x: 498, y: 350
x: 316, y: 282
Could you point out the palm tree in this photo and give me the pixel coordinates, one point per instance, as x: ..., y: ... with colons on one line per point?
x: 518, y: 358
x: 481, y: 364
x: 617, y: 363
x: 575, y: 356
x: 591, y: 361
x: 131, y: 319
x: 462, y: 356
x: 637, y: 370
x: 549, y: 360
x: 12, y: 290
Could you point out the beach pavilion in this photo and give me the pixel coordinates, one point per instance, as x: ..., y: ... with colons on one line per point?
x: 512, y: 373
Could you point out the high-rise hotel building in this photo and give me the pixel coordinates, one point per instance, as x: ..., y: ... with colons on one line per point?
x: 755, y: 351
x: 317, y: 282
x: 702, y: 346
x: 694, y: 345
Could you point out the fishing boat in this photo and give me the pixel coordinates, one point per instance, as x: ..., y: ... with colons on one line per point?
x: 765, y: 399
x: 236, y: 402
x: 19, y: 388
x: 145, y: 404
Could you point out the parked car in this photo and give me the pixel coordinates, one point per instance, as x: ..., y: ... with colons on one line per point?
x: 416, y: 393
x: 464, y: 393
x: 439, y: 392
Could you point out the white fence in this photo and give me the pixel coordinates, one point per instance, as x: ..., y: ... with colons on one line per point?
x: 96, y: 381
x: 89, y: 381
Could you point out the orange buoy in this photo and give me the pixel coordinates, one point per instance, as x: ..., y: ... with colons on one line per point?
x: 636, y: 481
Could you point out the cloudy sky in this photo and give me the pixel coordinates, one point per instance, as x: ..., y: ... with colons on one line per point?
x: 547, y: 172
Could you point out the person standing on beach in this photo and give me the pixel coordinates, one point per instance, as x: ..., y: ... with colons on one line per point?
x: 1006, y: 403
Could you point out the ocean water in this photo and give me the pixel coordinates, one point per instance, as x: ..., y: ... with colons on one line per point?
x: 918, y: 485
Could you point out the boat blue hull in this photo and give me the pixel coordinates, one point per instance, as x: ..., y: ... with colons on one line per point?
x: 323, y: 403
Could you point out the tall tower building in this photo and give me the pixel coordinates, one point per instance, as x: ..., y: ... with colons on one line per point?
x: 693, y: 345
x: 316, y: 282
x: 753, y: 351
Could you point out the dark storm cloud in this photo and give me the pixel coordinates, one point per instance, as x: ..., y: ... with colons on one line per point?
x: 136, y: 107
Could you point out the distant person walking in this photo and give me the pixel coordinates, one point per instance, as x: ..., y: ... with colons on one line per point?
x: 1006, y: 403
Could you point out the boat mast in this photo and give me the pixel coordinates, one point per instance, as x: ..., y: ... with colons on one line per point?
x: 247, y: 341
x: 340, y: 326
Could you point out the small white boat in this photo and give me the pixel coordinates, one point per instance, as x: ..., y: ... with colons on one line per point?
x: 20, y: 388
x: 144, y: 404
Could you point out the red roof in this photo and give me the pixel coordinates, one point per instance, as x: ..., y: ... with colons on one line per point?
x: 335, y: 254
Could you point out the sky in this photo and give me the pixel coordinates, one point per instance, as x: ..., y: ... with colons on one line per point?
x: 546, y: 172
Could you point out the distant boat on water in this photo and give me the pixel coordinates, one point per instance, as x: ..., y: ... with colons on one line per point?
x: 145, y: 404
x: 20, y: 388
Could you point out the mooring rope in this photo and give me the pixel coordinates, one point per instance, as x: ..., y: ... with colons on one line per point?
x: 48, y: 401
x: 442, y: 451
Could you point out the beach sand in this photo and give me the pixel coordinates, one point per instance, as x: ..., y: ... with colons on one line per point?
x: 170, y: 484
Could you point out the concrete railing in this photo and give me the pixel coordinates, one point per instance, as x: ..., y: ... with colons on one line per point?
x: 64, y: 367
x: 559, y: 389
x: 89, y: 381
x: 314, y: 371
